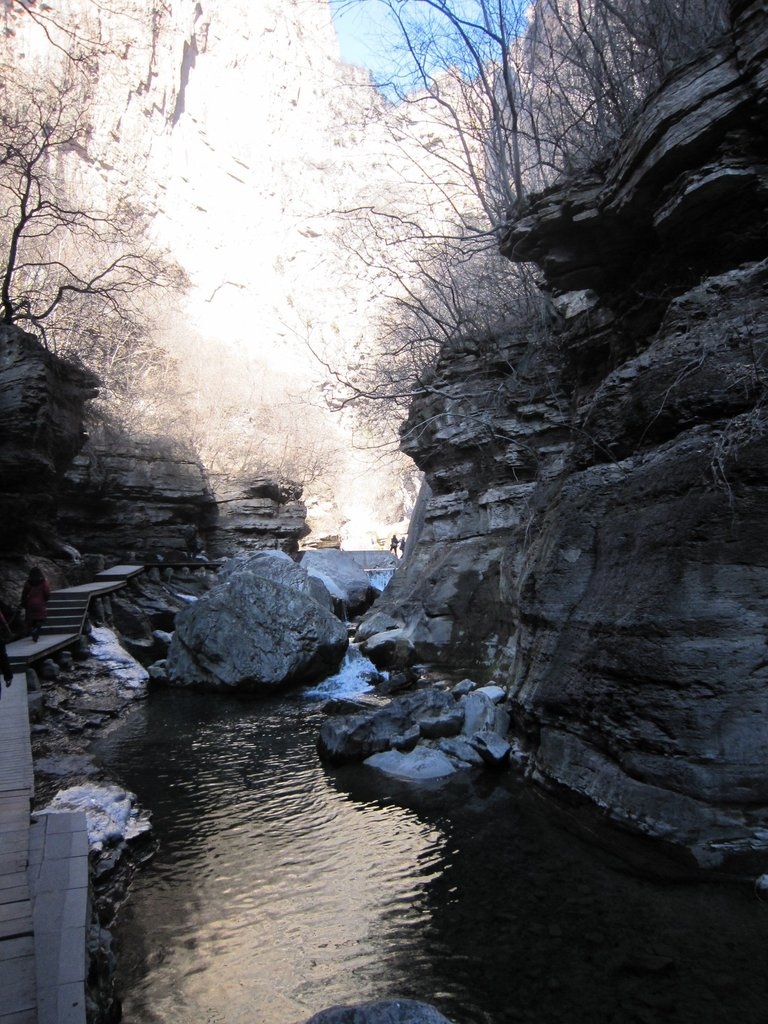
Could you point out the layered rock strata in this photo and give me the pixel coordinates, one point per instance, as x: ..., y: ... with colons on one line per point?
x: 154, y: 499
x: 256, y: 514
x: 124, y: 494
x: 42, y: 403
x: 596, y: 534
x: 114, y: 493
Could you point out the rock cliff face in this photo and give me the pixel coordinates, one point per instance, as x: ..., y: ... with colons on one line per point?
x: 123, y: 494
x: 112, y: 493
x: 256, y: 515
x: 153, y: 499
x: 596, y: 534
x: 244, y: 138
x: 42, y: 402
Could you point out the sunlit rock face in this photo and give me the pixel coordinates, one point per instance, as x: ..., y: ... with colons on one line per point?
x: 153, y: 499
x: 255, y: 515
x: 239, y: 131
x: 601, y: 544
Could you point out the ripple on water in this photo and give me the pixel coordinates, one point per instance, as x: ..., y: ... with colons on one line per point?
x: 267, y: 880
x: 275, y: 893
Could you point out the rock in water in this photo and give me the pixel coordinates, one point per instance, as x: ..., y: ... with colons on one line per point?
x: 355, y: 737
x: 253, y: 634
x: 418, y: 765
x: 385, y: 1011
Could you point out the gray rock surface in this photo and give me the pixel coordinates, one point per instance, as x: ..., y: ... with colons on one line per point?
x: 601, y: 553
x: 494, y: 750
x: 343, y: 577
x: 479, y: 713
x: 123, y: 493
x: 376, y: 622
x: 253, y: 634
x: 355, y: 737
x: 42, y: 404
x: 386, y: 1011
x: 392, y: 649
x: 419, y: 765
x: 273, y: 565
x: 148, y: 496
x: 256, y: 514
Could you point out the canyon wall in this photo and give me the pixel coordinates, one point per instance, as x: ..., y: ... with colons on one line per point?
x: 68, y: 491
x: 244, y: 140
x: 596, y: 535
x: 42, y: 407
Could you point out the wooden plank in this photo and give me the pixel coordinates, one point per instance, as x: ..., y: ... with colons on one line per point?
x: 17, y: 985
x: 21, y: 1017
x: 185, y: 563
x: 18, y: 997
x: 97, y: 587
x: 122, y: 572
x: 42, y: 976
x: 16, y: 918
x: 26, y: 650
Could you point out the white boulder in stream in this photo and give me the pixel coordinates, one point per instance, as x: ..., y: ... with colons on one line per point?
x: 419, y: 765
x: 257, y: 631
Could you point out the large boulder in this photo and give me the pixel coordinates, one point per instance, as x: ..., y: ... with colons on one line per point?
x: 276, y: 565
x: 345, y: 579
x: 254, y: 634
x: 272, y: 564
x: 376, y: 622
x: 393, y: 649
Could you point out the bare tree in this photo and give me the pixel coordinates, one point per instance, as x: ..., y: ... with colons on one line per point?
x: 66, y: 262
x: 509, y: 98
x: 532, y: 92
x: 591, y: 63
x: 61, y: 34
x: 441, y: 293
x: 457, y: 61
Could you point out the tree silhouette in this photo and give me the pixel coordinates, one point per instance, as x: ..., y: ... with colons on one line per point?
x: 67, y: 262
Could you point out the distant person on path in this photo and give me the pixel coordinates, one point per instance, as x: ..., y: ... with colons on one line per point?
x: 402, y: 546
x: 191, y: 541
x: 34, y: 601
x: 393, y: 545
x: 5, y: 665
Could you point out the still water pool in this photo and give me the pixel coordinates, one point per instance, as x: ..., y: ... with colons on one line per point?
x: 281, y: 887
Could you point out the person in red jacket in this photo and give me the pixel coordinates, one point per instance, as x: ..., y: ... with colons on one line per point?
x: 34, y: 601
x: 5, y: 665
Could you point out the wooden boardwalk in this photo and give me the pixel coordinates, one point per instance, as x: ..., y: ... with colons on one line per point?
x: 44, y: 890
x: 18, y: 982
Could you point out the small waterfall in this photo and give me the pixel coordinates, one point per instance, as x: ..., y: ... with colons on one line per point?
x: 379, y: 578
x: 355, y: 676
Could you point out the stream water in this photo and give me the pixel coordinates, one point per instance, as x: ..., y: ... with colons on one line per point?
x: 281, y: 887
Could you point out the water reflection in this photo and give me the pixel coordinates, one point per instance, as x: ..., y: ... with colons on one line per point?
x: 281, y: 888
x: 271, y: 888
